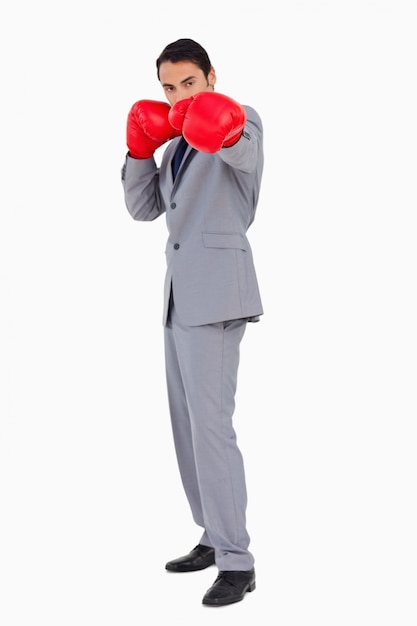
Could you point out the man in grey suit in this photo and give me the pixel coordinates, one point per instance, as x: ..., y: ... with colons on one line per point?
x: 207, y: 186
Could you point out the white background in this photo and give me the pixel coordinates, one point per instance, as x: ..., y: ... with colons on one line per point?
x: 91, y: 502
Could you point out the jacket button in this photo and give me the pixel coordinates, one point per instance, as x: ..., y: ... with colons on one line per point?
x: 173, y: 205
x: 176, y: 246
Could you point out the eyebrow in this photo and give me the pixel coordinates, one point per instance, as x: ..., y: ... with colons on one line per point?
x: 181, y: 83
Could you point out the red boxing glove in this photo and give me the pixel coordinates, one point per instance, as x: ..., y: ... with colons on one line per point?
x: 148, y: 128
x: 209, y: 121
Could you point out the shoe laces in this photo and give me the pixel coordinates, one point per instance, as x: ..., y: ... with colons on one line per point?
x: 227, y: 576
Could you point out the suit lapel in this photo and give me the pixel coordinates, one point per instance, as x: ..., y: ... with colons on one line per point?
x: 187, y: 158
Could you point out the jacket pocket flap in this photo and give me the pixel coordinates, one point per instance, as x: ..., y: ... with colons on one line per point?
x: 224, y: 240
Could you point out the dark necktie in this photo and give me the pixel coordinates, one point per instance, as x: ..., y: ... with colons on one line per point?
x: 179, y: 153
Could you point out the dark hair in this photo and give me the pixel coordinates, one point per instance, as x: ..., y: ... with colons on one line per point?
x: 185, y: 50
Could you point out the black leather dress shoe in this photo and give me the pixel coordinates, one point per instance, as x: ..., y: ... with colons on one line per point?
x: 200, y: 557
x: 230, y: 587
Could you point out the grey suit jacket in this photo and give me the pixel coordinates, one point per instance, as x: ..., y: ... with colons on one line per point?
x: 208, y: 208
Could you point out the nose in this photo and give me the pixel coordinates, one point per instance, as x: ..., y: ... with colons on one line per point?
x: 180, y: 94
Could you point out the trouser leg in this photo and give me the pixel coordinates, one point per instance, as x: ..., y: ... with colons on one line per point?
x: 202, y: 365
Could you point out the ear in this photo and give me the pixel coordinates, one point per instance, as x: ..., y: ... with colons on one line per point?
x: 212, y: 77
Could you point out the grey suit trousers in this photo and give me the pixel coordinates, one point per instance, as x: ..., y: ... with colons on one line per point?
x: 201, y: 368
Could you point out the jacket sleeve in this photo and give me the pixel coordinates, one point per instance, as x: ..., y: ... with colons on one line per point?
x: 140, y: 178
x: 246, y: 153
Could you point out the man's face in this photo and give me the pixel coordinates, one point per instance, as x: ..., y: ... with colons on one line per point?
x: 184, y: 79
